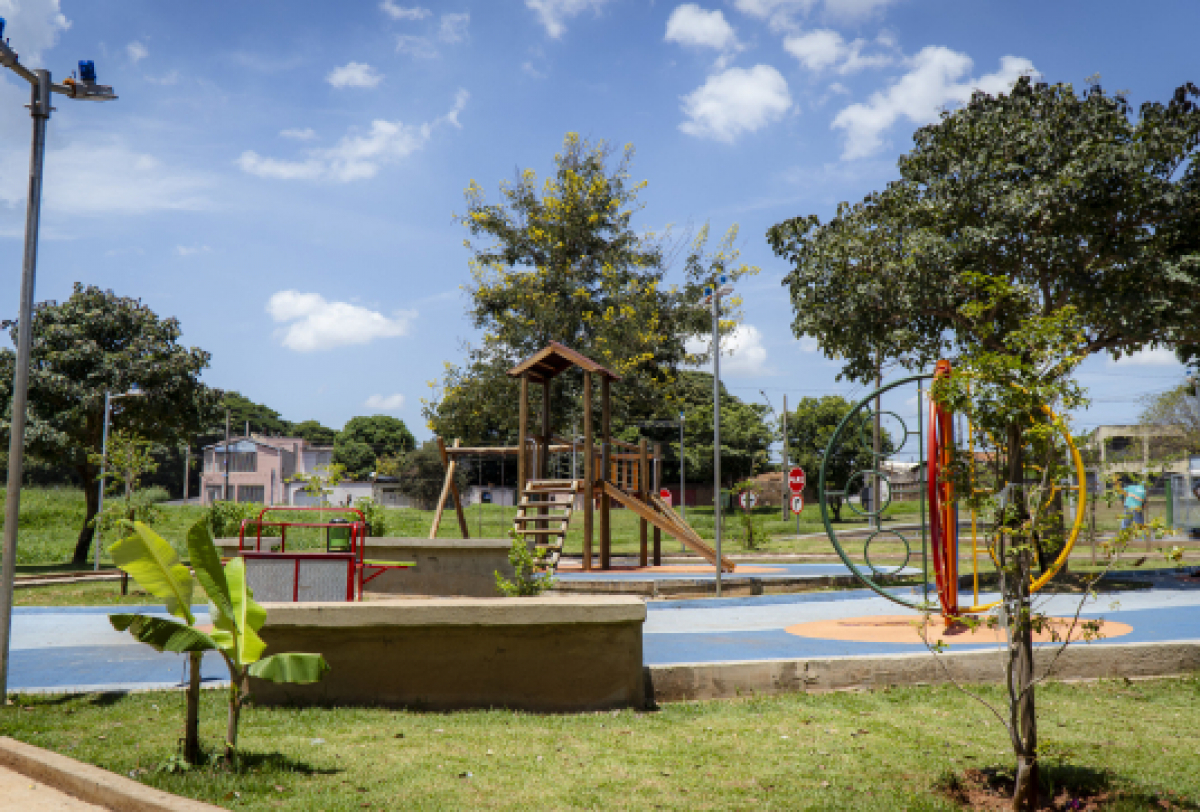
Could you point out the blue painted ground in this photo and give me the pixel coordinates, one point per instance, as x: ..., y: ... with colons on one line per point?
x: 776, y: 571
x: 61, y: 649
x: 75, y: 648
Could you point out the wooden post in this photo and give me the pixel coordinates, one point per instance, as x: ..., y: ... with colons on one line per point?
x: 655, y: 484
x: 449, y: 489
x: 544, y: 466
x: 643, y: 477
x: 522, y: 436
x: 589, y: 472
x: 605, y: 499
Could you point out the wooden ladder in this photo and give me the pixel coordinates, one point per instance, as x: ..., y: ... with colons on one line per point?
x: 543, y: 515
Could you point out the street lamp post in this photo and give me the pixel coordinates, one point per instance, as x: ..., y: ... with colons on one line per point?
x: 41, y: 88
x: 712, y: 296
x: 133, y: 392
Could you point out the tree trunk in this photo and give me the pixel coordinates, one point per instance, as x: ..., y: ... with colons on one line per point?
x: 1015, y: 593
x: 91, y: 499
x: 191, y: 733
x: 235, y: 712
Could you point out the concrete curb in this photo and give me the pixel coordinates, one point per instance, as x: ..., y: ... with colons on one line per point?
x: 91, y: 784
x: 727, y: 680
x: 731, y: 586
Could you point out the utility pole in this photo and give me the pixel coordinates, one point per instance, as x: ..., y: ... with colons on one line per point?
x: 187, y: 467
x: 712, y: 296
x: 876, y: 490
x: 40, y: 88
x: 227, y: 454
x: 784, y: 468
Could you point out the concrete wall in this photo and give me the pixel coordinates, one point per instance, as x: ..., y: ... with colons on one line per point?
x: 698, y: 681
x: 537, y: 654
x: 444, y: 567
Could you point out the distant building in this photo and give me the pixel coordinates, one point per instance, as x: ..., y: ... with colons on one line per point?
x: 1139, y: 449
x: 263, y: 470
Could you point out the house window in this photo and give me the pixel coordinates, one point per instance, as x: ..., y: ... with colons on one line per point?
x: 214, y: 493
x: 250, y: 493
x: 240, y: 462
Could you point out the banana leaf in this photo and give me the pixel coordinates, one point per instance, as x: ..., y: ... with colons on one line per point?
x: 206, y: 561
x: 153, y: 564
x: 290, y: 667
x: 248, y: 616
x: 163, y: 634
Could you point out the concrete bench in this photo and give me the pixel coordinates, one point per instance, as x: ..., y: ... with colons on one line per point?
x: 537, y: 654
x: 460, y: 567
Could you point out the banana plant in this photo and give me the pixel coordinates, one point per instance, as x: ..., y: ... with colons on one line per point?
x: 154, y: 565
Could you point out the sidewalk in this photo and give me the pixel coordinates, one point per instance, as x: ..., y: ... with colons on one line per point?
x: 24, y: 793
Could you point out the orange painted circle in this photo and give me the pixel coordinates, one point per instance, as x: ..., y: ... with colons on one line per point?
x: 905, y: 629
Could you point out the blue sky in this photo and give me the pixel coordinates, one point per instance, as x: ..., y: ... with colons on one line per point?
x: 281, y: 177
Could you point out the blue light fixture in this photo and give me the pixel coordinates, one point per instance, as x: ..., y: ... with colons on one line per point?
x: 2, y: 24
x: 87, y: 71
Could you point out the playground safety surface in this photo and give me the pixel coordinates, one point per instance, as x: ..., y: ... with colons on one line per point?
x: 65, y: 649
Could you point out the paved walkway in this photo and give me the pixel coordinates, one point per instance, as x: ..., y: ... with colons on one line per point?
x: 21, y: 792
x: 61, y: 649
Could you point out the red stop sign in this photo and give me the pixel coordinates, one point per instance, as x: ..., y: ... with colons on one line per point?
x: 796, y: 479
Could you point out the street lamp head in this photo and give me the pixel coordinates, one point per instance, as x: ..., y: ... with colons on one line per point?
x: 135, y: 391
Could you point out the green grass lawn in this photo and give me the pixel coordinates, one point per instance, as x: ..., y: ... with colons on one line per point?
x: 883, y: 750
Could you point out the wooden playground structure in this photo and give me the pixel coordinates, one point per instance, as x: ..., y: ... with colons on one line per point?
x: 626, y: 473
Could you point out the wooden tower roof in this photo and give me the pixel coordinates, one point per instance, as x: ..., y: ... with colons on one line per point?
x: 555, y: 359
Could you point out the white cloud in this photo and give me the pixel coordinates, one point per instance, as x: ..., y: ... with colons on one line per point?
x: 318, y: 324
x: 385, y: 403
x: 420, y: 47
x: 104, y: 177
x: 1151, y: 356
x: 137, y: 52
x: 809, y: 344
x: 823, y: 48
x: 354, y: 74
x: 783, y: 14
x: 691, y: 25
x: 553, y: 14
x: 742, y: 352
x: 396, y: 12
x: 454, y: 27
x: 33, y: 26
x: 297, y: 134
x: 736, y: 101
x: 357, y: 156
x: 919, y: 95
x: 192, y: 250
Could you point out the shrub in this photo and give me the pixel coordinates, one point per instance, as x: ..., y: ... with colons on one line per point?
x: 375, y: 516
x: 529, y: 575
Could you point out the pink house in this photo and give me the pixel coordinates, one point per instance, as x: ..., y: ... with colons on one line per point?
x: 260, y: 469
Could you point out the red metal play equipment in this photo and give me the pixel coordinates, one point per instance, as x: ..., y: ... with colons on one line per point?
x: 943, y: 513
x: 344, y: 549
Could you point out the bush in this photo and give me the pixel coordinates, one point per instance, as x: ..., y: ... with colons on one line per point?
x: 375, y: 516
x: 529, y: 577
x: 155, y: 495
x: 225, y: 518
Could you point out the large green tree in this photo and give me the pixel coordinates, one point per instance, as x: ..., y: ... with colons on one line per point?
x: 363, y: 440
x: 811, y: 426
x: 746, y: 433
x: 561, y: 260
x: 97, y: 342
x: 1027, y: 231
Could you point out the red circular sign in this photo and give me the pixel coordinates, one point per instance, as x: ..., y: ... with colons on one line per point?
x: 665, y: 495
x: 796, y: 479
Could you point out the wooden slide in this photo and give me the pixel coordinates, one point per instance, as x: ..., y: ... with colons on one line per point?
x: 662, y: 516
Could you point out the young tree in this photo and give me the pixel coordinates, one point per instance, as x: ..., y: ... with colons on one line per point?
x: 1027, y: 231
x: 560, y: 260
x: 94, y: 342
